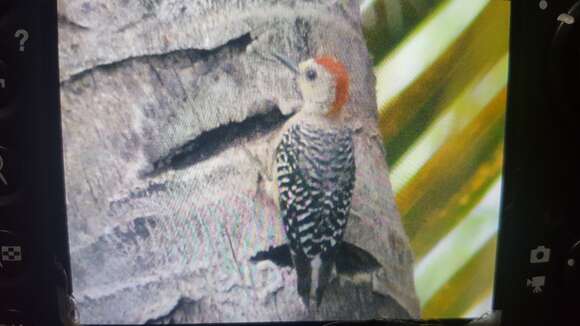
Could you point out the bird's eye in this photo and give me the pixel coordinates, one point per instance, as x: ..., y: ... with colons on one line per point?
x: 311, y: 74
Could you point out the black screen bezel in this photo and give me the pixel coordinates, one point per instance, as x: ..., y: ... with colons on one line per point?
x: 526, y: 199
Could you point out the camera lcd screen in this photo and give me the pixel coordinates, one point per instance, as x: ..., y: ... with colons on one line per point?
x: 262, y: 161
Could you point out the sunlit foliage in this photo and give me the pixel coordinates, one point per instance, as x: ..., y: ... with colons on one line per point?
x: 441, y: 69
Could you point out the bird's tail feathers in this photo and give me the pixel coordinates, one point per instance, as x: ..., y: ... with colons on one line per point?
x: 350, y: 261
x: 324, y: 278
x: 303, y: 278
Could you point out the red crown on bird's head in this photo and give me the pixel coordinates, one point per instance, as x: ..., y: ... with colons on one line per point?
x: 340, y: 73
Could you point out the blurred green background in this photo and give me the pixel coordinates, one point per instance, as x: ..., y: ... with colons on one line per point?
x: 441, y: 68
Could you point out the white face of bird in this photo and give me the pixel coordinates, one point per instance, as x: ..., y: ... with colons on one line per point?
x: 323, y: 82
x: 318, y: 87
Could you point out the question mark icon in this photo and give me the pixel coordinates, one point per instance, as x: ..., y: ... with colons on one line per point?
x: 23, y: 36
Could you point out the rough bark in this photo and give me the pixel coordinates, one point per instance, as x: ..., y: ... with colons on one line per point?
x: 165, y: 103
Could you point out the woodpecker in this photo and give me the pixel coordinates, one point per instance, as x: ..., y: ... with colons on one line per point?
x: 314, y: 170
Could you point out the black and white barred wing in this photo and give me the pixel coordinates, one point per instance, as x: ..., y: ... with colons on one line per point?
x: 299, y: 206
x: 316, y: 175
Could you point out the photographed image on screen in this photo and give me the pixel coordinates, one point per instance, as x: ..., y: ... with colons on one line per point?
x: 262, y: 161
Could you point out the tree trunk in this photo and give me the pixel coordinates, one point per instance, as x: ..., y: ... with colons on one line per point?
x: 170, y: 108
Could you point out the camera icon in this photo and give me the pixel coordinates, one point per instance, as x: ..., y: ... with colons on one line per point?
x: 540, y: 255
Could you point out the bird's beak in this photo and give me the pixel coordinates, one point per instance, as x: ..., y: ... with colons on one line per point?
x: 287, y: 62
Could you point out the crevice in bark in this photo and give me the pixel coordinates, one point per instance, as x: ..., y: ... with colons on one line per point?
x: 233, y: 251
x: 65, y: 21
x: 182, y: 305
x: 215, y: 141
x: 152, y: 188
x: 279, y: 255
x: 304, y: 29
x: 241, y: 43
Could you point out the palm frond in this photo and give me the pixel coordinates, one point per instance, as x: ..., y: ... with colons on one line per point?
x: 441, y: 70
